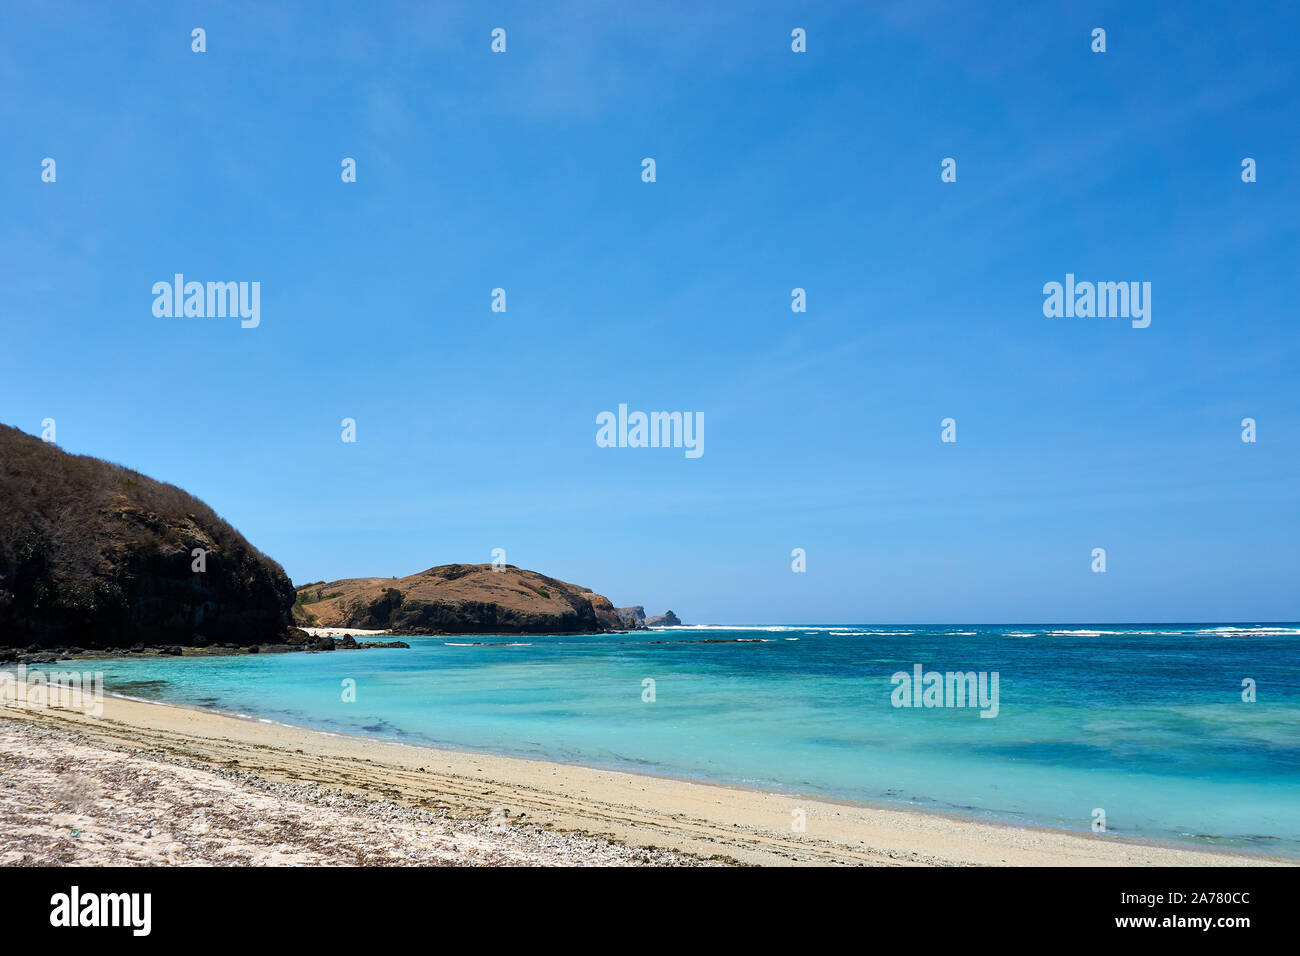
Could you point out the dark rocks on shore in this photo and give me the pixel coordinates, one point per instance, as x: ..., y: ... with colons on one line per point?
x: 309, y: 644
x: 347, y: 642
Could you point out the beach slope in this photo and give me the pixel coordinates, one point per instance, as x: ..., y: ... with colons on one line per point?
x: 132, y: 783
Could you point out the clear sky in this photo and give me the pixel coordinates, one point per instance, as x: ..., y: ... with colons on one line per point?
x: 775, y: 170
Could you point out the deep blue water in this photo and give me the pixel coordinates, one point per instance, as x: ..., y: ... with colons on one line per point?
x: 1145, y: 722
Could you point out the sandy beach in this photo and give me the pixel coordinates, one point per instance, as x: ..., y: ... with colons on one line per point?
x: 149, y: 783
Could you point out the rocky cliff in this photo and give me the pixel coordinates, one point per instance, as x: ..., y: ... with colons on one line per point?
x: 96, y: 555
x: 633, y: 616
x: 457, y: 599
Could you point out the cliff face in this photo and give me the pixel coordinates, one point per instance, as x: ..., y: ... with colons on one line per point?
x: 457, y: 599
x: 634, y: 615
x: 606, y: 614
x: 96, y: 555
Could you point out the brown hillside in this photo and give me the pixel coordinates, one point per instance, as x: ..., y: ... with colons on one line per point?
x: 96, y: 555
x: 457, y: 599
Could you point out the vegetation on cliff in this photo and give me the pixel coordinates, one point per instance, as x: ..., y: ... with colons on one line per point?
x: 97, y: 555
x: 457, y: 599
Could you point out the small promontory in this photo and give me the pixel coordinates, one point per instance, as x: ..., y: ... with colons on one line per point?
x: 457, y: 599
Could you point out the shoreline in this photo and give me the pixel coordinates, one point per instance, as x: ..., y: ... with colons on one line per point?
x: 317, y: 640
x: 690, y: 820
x: 953, y: 815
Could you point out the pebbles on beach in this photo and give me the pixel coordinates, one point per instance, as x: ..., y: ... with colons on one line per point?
x: 64, y: 801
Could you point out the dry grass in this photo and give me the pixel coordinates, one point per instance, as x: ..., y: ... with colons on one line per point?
x: 80, y: 537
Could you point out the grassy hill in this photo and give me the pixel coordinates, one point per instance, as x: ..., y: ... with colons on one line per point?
x: 457, y: 599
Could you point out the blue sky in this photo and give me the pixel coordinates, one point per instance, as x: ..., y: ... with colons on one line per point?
x: 775, y: 170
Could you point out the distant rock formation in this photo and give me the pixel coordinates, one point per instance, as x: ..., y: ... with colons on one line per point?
x: 98, y: 556
x: 632, y: 616
x: 457, y: 599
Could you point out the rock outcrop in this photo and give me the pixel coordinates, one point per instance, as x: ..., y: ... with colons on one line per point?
x: 457, y: 599
x: 632, y: 616
x: 98, y: 556
x: 606, y: 613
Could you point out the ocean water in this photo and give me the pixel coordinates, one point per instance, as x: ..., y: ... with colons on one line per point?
x: 1144, y: 722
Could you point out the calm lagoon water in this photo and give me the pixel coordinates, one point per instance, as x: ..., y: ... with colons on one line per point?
x: 1146, y: 722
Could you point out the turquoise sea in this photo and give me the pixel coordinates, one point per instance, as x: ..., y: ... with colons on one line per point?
x: 1145, y: 722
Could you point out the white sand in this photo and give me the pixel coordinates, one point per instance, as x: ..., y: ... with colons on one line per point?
x: 152, y: 766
